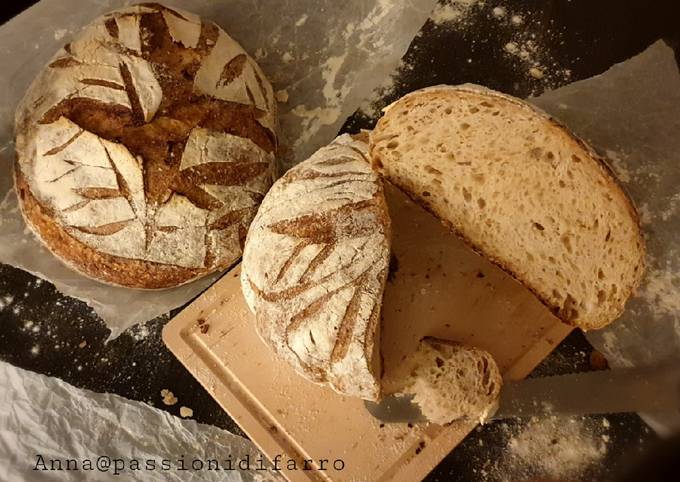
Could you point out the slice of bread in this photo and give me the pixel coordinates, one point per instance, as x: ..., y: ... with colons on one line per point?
x: 452, y: 382
x: 521, y: 190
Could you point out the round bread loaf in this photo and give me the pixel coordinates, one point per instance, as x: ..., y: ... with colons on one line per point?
x: 315, y: 265
x: 145, y: 148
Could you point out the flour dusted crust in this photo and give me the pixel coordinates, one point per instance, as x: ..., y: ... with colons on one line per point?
x: 315, y: 264
x: 145, y: 147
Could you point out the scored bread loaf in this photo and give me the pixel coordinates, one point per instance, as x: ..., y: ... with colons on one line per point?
x: 145, y: 147
x: 451, y: 382
x: 314, y: 268
x: 522, y: 191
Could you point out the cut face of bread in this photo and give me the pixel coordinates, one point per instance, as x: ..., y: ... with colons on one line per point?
x: 314, y: 268
x: 145, y: 147
x: 451, y: 382
x: 522, y: 191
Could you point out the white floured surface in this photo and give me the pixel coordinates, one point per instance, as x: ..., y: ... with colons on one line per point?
x: 561, y: 448
x: 630, y: 114
x: 45, y: 416
x: 336, y: 57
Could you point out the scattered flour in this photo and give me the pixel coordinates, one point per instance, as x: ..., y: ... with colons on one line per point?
x: 523, y: 44
x: 5, y: 301
x: 139, y: 332
x: 620, y: 168
x: 60, y: 34
x: 453, y: 11
x: 673, y: 205
x: 661, y: 290
x: 499, y: 12
x: 557, y: 447
x: 646, y: 216
x: 287, y: 57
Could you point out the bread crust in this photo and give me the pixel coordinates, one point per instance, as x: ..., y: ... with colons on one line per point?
x: 94, y: 264
x: 410, y: 190
x: 315, y: 266
x: 145, y: 147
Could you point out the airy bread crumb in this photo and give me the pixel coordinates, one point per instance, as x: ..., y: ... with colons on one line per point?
x: 451, y: 382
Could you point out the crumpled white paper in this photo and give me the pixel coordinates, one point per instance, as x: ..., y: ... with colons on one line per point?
x: 631, y: 113
x: 45, y: 416
x: 325, y: 56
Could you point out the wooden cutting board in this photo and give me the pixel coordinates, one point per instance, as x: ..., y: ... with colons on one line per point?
x: 440, y: 288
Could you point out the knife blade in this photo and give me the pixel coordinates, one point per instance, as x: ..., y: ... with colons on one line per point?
x: 641, y: 389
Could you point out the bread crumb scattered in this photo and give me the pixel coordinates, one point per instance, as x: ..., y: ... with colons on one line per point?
x: 60, y: 34
x: 169, y: 398
x: 499, y: 12
x: 511, y: 47
x: 185, y: 412
x: 536, y: 73
x: 82, y: 344
x: 282, y: 96
x: 302, y: 20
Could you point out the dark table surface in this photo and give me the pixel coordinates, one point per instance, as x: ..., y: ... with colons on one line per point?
x: 43, y: 331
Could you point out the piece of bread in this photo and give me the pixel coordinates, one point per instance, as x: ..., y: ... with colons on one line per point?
x: 145, y: 147
x: 522, y: 191
x: 314, y: 268
x: 451, y: 382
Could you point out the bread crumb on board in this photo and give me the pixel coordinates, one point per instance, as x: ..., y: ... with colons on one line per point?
x: 169, y: 398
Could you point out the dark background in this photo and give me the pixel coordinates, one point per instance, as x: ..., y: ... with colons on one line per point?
x: 43, y: 331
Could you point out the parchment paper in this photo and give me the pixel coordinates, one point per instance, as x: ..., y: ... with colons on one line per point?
x: 325, y: 55
x: 45, y: 416
x: 631, y: 113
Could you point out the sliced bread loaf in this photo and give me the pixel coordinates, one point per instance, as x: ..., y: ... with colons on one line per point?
x: 315, y: 264
x: 522, y: 191
x: 452, y: 382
